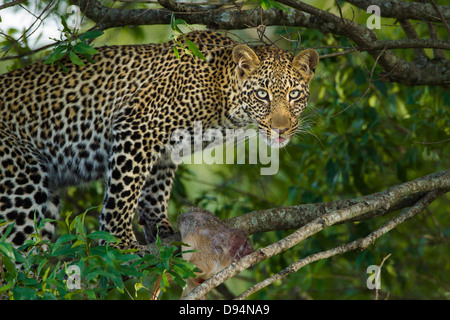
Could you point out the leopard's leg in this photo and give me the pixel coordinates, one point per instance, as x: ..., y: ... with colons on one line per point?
x: 154, y: 200
x: 130, y: 162
x: 120, y: 200
x: 25, y: 195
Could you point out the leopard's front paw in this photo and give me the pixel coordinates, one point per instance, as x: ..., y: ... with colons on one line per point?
x: 135, y: 246
x: 163, y: 227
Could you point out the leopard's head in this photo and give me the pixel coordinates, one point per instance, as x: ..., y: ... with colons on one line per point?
x: 273, y: 89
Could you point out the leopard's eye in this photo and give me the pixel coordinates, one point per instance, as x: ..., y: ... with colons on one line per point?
x: 262, y: 94
x: 294, y: 94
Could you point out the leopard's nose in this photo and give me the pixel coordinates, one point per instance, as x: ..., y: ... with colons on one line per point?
x: 280, y: 121
x: 280, y: 129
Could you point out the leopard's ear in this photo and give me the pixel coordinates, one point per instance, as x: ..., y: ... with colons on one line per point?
x: 306, y: 62
x: 246, y: 60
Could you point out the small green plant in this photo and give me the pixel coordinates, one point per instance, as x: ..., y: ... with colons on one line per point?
x: 75, y: 267
x: 191, y: 48
x: 269, y: 4
x: 74, y: 45
x: 169, y: 265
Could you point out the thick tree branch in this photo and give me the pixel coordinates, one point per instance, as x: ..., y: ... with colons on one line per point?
x: 398, y: 70
x: 432, y: 72
x: 405, y: 10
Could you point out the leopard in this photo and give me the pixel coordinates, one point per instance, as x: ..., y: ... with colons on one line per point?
x: 111, y: 119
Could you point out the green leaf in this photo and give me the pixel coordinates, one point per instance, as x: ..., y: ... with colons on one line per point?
x: 164, y: 282
x: 68, y: 222
x: 8, y: 230
x: 177, y: 279
x: 116, y: 277
x: 6, y: 287
x: 182, y: 272
x: 102, y: 235
x: 77, y: 243
x: 79, y: 225
x: 138, y: 286
x: 41, y: 265
x: 6, y: 250
x: 194, y: 49
x: 91, y: 294
x: 30, y: 282
x: 57, y: 53
x: 10, y: 267
x: 91, y: 34
x: 158, y: 239
x: 185, y: 265
x: 179, y: 244
x: 63, y: 239
x: 64, y: 23
x: 84, y: 48
x: 67, y: 250
x: 175, y: 51
x: 150, y: 259
x: 277, y: 5
x: 167, y: 252
x: 265, y: 4
x: 175, y: 22
x: 75, y: 59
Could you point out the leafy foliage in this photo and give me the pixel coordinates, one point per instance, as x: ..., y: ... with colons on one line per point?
x: 71, y: 44
x: 191, y: 48
x: 42, y: 269
x: 268, y: 4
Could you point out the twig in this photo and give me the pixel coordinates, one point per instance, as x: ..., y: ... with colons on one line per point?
x: 10, y: 4
x: 432, y: 142
x: 47, y: 8
x: 378, y: 275
x: 365, y: 92
x: 48, y: 46
x: 441, y: 16
x: 330, y: 55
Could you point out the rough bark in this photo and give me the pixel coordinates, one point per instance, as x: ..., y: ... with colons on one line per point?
x: 422, y: 71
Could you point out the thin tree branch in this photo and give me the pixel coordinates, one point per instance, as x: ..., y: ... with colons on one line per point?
x: 286, y: 218
x: 18, y: 56
x: 439, y: 12
x: 10, y: 4
x: 359, y: 244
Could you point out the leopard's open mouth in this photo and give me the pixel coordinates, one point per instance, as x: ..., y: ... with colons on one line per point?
x: 275, y: 139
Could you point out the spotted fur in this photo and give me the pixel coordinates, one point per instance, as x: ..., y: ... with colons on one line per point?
x: 113, y: 120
